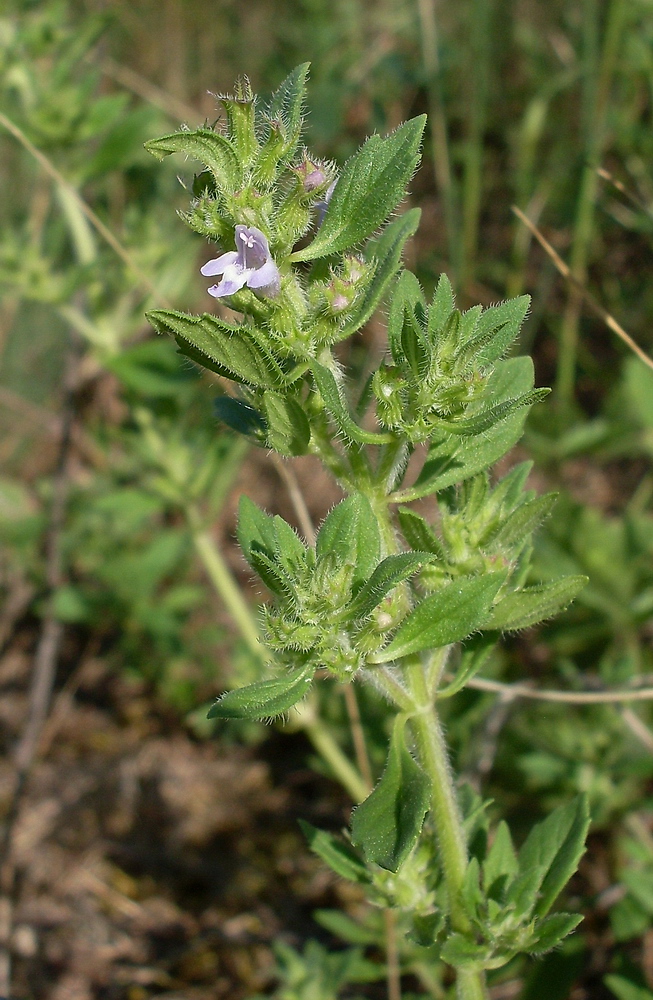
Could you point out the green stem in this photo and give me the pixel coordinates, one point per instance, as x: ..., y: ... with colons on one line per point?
x: 227, y: 589
x: 432, y: 752
x: 328, y: 749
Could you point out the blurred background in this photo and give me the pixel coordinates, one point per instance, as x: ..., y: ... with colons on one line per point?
x: 144, y: 855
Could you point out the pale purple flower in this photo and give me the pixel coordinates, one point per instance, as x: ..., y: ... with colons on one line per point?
x: 251, y: 264
x: 323, y: 203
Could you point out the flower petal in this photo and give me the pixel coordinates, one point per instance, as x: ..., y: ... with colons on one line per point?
x: 233, y: 280
x: 219, y: 265
x: 266, y: 276
x: 252, y: 245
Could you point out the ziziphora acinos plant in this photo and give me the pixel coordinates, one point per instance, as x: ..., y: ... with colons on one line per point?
x: 384, y: 597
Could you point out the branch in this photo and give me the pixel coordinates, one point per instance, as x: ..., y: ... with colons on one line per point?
x: 512, y: 691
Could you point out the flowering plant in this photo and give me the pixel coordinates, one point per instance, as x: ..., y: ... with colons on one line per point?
x: 385, y: 597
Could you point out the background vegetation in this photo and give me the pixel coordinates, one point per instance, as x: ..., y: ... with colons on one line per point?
x: 142, y: 857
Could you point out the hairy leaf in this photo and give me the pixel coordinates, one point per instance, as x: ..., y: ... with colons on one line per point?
x: 388, y: 823
x: 372, y: 183
x: 265, y: 699
x: 335, y: 404
x: 475, y: 654
x: 238, y: 415
x: 287, y: 103
x: 336, y: 853
x: 418, y: 532
x: 288, y: 430
x: 533, y: 604
x: 451, y: 459
x: 449, y: 615
x: 386, y: 251
x: 256, y: 530
x: 501, y: 862
x: 391, y: 571
x: 220, y: 347
x: 556, y: 845
x: 207, y: 146
x: 553, y: 930
x: 350, y: 533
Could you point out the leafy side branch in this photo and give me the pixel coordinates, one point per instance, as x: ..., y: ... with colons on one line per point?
x: 306, y: 254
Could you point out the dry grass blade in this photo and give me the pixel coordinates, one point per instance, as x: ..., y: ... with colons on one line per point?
x: 143, y: 87
x: 594, y: 305
x: 619, y: 186
x: 94, y: 219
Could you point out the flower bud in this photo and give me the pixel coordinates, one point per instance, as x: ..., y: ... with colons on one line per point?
x: 311, y: 175
x: 387, y: 386
x: 240, y: 121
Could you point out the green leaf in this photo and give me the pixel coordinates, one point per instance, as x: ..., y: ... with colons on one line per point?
x: 501, y: 863
x: 407, y: 302
x: 625, y: 990
x: 386, y: 252
x: 238, y: 415
x: 372, y: 183
x: 228, y: 350
x: 419, y: 533
x: 521, y: 894
x: 342, y: 926
x: 350, y: 534
x: 556, y: 844
x: 338, y: 855
x: 289, y: 547
x: 449, y: 615
x: 388, y: 823
x: 473, y: 657
x: 241, y: 127
x: 451, y: 460
x: 441, y: 308
x: 287, y: 103
x: 330, y: 392
x: 462, y: 953
x: 288, y: 429
x: 207, y: 146
x: 471, y: 895
x: 273, y: 575
x: 533, y: 604
x: 524, y: 520
x: 505, y: 320
x: 487, y: 418
x: 553, y: 930
x: 391, y: 571
x: 256, y: 529
x: 265, y: 699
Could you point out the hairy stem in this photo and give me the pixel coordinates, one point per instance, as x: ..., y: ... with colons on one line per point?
x: 432, y: 753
